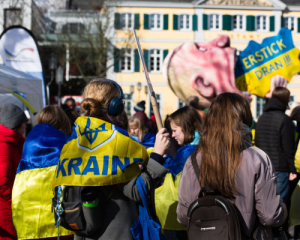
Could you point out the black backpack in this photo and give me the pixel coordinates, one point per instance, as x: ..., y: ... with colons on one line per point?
x: 212, y: 216
x: 84, y: 209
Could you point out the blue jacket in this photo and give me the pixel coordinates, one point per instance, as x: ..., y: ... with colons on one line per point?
x: 148, y: 140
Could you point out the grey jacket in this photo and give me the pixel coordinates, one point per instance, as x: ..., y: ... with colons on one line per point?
x: 258, y: 200
x: 122, y: 208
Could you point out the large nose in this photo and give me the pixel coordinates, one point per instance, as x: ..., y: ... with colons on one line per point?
x: 173, y: 134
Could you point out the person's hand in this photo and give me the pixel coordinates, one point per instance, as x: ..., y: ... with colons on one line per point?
x: 292, y: 176
x: 276, y: 81
x: 162, y: 141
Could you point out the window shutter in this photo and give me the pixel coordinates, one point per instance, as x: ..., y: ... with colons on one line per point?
x: 146, y: 21
x: 299, y: 25
x: 116, y: 60
x: 205, y: 22
x: 166, y: 21
x: 136, y: 61
x: 146, y: 58
x: 165, y: 53
x: 272, y: 23
x: 136, y: 21
x: 227, y: 22
x: 175, y: 22
x: 250, y: 23
x: 195, y: 22
x: 117, y: 21
x: 282, y: 21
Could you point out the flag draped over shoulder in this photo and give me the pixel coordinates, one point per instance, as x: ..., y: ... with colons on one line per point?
x: 97, y: 154
x: 32, y: 194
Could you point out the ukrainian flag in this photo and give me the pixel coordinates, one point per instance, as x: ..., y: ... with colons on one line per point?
x: 32, y: 195
x: 97, y: 154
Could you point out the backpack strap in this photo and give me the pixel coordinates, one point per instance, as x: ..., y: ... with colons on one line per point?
x: 195, y: 165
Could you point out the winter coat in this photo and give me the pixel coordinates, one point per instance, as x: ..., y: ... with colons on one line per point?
x: 275, y: 135
x: 11, y: 145
x: 258, y: 200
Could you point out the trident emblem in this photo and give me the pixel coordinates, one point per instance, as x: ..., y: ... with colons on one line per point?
x: 88, y: 133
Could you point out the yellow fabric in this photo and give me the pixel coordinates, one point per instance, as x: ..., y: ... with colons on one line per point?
x: 166, y: 201
x: 297, y: 159
x: 253, y: 136
x: 100, y: 155
x: 25, y: 102
x: 295, y: 210
x: 31, y: 205
x: 150, y: 150
x: 261, y: 86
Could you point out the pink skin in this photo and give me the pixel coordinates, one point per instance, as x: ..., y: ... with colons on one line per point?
x: 177, y: 133
x: 134, y: 130
x: 21, y: 130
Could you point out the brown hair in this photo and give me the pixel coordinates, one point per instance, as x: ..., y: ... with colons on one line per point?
x: 55, y: 116
x: 221, y: 142
x: 139, y: 123
x: 282, y: 94
x: 97, y: 96
x: 189, y: 120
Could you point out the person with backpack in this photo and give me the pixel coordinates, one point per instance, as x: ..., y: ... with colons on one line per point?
x: 237, y: 181
x: 95, y: 180
x: 31, y: 196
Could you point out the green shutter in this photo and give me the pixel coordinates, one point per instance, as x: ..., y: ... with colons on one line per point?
x: 272, y: 23
x: 166, y: 21
x: 227, y: 22
x: 165, y: 53
x: 250, y: 23
x: 117, y: 21
x: 175, y: 22
x: 195, y: 22
x: 136, y: 21
x: 136, y: 61
x: 282, y: 21
x: 205, y: 22
x: 116, y: 60
x: 299, y: 25
x: 146, y: 21
x: 146, y: 58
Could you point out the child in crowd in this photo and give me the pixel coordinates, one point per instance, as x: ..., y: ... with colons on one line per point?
x: 140, y: 133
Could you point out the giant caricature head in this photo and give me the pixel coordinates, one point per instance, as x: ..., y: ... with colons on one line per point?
x: 202, y: 69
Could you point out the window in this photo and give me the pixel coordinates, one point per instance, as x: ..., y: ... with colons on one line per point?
x: 127, y: 61
x: 260, y: 104
x: 261, y: 23
x: 238, y: 22
x: 127, y: 98
x: 155, y: 21
x: 184, y: 22
x: 214, y: 22
x: 290, y: 23
x: 181, y: 103
x: 126, y: 21
x: 73, y: 28
x: 159, y: 104
x: 12, y: 17
x: 293, y: 98
x: 155, y: 58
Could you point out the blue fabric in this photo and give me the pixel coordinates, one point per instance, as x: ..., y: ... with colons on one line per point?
x: 145, y: 228
x: 42, y: 147
x: 283, y: 185
x: 148, y: 140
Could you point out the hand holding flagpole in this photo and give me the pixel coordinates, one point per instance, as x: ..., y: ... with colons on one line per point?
x: 151, y: 91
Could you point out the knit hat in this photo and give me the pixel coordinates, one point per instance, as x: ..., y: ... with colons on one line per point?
x: 12, y: 116
x: 140, y: 107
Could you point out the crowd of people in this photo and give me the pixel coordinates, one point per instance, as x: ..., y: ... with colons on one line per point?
x: 195, y: 149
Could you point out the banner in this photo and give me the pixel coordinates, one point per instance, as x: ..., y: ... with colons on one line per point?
x: 258, y: 63
x: 18, y: 49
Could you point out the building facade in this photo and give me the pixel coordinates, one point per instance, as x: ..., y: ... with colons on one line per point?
x: 162, y: 26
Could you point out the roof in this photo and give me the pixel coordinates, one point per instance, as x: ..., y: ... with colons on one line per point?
x: 291, y: 2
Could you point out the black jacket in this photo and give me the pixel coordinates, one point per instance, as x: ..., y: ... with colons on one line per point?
x: 275, y: 135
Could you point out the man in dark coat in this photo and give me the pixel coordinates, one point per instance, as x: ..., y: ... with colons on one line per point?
x: 140, y: 112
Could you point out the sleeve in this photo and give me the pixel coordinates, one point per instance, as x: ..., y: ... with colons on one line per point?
x: 157, y: 172
x: 184, y: 196
x: 6, y: 168
x: 288, y: 143
x: 270, y: 210
x: 297, y: 159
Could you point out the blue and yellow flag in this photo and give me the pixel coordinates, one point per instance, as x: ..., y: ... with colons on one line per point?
x: 258, y: 63
x: 98, y: 153
x: 32, y: 194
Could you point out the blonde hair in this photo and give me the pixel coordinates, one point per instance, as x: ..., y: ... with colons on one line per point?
x: 55, y: 116
x: 138, y: 122
x: 97, y: 96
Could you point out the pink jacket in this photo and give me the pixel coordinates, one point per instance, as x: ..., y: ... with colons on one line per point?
x: 258, y: 200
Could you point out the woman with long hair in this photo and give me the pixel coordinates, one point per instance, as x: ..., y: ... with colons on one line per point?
x: 32, y: 192
x: 140, y: 133
x: 228, y: 163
